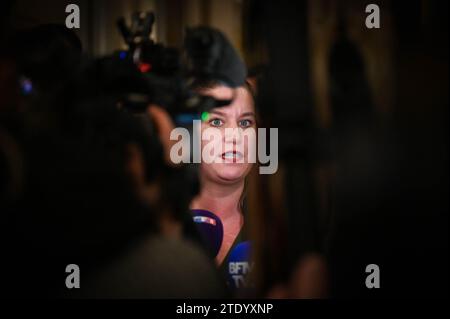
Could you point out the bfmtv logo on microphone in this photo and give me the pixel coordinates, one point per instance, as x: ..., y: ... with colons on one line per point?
x: 240, y: 266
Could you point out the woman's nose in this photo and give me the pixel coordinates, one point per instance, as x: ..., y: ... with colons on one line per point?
x: 232, y: 134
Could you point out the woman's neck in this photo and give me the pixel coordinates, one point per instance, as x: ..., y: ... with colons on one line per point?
x: 222, y: 200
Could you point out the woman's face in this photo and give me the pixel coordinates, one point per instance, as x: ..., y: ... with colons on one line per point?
x: 232, y: 164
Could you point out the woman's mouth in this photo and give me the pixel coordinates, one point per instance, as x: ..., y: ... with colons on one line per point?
x: 232, y: 156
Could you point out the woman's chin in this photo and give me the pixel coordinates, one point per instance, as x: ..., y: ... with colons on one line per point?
x: 232, y: 174
x: 225, y: 173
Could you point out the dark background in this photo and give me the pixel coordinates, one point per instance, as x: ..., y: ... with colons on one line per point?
x: 363, y: 120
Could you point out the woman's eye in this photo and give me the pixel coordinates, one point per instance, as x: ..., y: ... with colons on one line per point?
x: 245, y: 123
x: 216, y: 122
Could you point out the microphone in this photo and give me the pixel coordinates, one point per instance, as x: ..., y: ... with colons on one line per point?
x: 239, y: 266
x: 210, y: 228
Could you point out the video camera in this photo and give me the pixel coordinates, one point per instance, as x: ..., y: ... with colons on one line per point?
x: 171, y: 74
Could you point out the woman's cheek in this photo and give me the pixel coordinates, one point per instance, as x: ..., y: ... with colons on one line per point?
x: 249, y: 145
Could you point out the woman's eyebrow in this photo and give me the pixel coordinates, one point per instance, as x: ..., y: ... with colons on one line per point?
x: 217, y: 112
x: 247, y: 114
x: 224, y: 114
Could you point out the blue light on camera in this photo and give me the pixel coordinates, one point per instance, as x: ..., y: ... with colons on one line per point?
x: 26, y: 86
x: 186, y: 118
x: 122, y: 55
